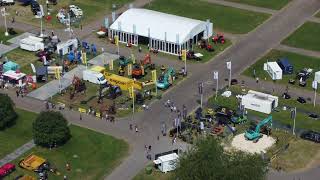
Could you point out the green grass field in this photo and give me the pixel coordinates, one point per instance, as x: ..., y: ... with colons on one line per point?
x: 91, y: 11
x: 318, y: 15
x: 4, y: 38
x: 271, y: 4
x: 90, y: 154
x: 224, y: 18
x: 17, y: 135
x: 305, y: 37
x: 298, y: 61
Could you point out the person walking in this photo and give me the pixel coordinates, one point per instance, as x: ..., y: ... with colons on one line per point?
x: 80, y: 117
x: 17, y: 93
x: 130, y: 126
x: 136, y: 128
x: 257, y: 80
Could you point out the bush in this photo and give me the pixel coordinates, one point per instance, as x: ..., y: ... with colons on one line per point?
x: 50, y: 128
x: 7, y: 114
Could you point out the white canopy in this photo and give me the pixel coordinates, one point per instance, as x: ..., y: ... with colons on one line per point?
x: 164, y: 27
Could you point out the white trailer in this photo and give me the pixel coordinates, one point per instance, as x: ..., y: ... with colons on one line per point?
x: 317, y: 76
x: 67, y: 46
x: 32, y: 43
x: 273, y: 70
x: 260, y: 102
x: 94, y: 77
x: 167, y: 162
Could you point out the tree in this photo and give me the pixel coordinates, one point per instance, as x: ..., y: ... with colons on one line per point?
x: 208, y: 160
x: 50, y: 128
x: 7, y: 114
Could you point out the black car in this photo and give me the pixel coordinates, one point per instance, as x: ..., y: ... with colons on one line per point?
x: 35, y: 7
x: 301, y: 100
x: 313, y: 115
x: 234, y: 81
x: 311, y: 136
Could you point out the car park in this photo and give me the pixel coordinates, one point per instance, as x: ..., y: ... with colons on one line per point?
x: 311, y: 136
x: 301, y: 100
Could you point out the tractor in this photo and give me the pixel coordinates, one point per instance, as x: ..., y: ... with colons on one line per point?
x: 203, y: 44
x: 219, y: 38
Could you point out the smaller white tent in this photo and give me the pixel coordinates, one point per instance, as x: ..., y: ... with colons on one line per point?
x: 31, y: 43
x: 167, y: 162
x: 273, y: 70
x: 67, y: 46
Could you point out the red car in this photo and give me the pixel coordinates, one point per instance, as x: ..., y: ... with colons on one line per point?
x: 6, y: 169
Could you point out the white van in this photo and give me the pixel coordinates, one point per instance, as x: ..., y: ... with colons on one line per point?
x: 94, y: 77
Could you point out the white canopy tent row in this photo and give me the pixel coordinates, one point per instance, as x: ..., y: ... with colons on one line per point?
x: 165, y: 32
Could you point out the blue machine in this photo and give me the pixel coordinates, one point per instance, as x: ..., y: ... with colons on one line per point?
x: 79, y: 56
x: 71, y: 56
x: 93, y: 49
x: 285, y: 65
x: 86, y: 46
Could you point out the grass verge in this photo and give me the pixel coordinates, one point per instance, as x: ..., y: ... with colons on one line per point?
x: 271, y: 4
x: 304, y: 37
x: 90, y: 154
x: 224, y: 18
x: 17, y: 135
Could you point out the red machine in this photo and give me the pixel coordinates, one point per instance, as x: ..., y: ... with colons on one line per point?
x: 146, y: 62
x: 219, y: 38
x: 6, y: 169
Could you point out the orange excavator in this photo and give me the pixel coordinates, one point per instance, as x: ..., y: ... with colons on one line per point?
x: 137, y: 71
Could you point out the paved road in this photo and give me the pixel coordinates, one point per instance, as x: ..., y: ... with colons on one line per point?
x: 53, y: 87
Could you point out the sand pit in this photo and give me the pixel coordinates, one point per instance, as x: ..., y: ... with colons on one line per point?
x: 240, y: 143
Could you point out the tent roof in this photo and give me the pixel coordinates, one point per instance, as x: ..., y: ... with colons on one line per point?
x: 159, y: 25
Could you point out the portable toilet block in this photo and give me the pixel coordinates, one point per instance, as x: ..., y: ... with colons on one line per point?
x: 10, y: 66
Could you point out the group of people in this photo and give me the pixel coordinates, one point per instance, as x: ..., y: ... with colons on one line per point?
x: 135, y: 128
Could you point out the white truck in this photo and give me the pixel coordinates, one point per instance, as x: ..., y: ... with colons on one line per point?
x: 94, y: 77
x: 6, y: 2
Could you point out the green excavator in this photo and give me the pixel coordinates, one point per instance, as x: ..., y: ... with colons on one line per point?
x: 254, y: 134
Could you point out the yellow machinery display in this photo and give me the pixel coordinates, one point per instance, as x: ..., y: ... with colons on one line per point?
x: 27, y: 177
x: 123, y: 82
x: 32, y: 162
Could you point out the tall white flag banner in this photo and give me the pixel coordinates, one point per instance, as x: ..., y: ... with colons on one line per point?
x: 229, y: 65
x: 215, y: 75
x: 315, y: 85
x: 3, y: 11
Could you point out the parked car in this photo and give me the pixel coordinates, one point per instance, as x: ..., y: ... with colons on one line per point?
x: 6, y: 169
x: 234, y: 81
x: 311, y: 136
x: 313, y: 115
x: 301, y: 100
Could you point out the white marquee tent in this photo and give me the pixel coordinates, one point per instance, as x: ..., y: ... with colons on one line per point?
x: 164, y: 32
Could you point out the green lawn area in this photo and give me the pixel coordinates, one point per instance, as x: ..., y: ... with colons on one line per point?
x: 91, y: 11
x: 298, y: 61
x: 271, y: 4
x: 23, y: 58
x: 17, y: 135
x: 224, y: 18
x: 318, y: 15
x: 4, y: 38
x: 155, y: 175
x: 306, y: 37
x: 90, y: 154
x: 299, y: 154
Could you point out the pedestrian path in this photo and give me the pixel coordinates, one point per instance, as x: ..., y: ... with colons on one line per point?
x: 298, y: 50
x: 17, y: 153
x: 50, y: 89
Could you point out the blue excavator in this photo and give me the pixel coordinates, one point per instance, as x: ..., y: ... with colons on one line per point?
x: 254, y: 133
x: 164, y: 80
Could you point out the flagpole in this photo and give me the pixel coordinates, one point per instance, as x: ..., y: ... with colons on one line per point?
x: 315, y: 96
x: 217, y: 87
x: 230, y: 75
x: 5, y: 22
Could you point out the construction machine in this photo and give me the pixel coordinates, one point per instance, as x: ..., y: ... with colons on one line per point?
x: 137, y: 71
x: 32, y: 162
x: 166, y: 80
x: 253, y: 134
x: 146, y: 62
x: 123, y: 61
